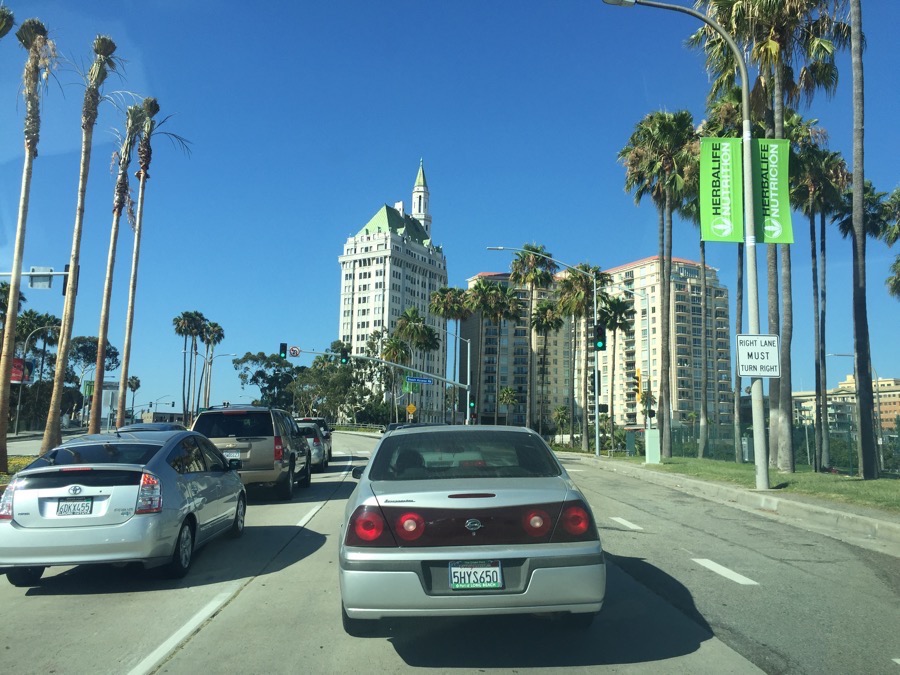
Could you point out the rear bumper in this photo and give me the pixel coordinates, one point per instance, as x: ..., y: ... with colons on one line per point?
x: 373, y: 587
x: 149, y: 539
x: 264, y: 476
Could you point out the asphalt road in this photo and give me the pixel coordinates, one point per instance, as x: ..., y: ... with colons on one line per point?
x: 694, y: 587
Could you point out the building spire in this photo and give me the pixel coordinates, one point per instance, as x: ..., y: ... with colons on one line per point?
x: 420, y: 200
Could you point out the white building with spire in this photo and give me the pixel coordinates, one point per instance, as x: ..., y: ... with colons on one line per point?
x: 389, y: 265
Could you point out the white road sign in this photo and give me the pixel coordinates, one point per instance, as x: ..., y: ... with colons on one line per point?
x: 758, y: 356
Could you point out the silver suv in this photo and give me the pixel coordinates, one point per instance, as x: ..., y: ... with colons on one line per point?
x: 271, y: 448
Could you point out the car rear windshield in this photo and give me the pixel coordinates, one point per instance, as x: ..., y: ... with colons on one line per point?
x: 306, y: 430
x: 98, y: 453
x: 235, y: 424
x: 470, y: 454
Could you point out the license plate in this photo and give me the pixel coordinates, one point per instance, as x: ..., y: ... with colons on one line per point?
x: 74, y: 506
x: 232, y: 455
x: 475, y: 574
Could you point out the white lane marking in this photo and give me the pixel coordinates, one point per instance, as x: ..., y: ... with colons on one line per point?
x: 309, y: 515
x: 160, y: 653
x: 624, y: 522
x: 574, y: 470
x: 897, y: 661
x: 725, y: 572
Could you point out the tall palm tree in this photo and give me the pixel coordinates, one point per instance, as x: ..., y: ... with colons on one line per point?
x: 4, y: 303
x: 188, y: 325
x: 450, y: 305
x: 891, y: 236
x: 428, y: 341
x: 545, y: 319
x: 134, y: 383
x: 213, y: 335
x: 478, y: 299
x: 503, y: 304
x: 508, y: 397
x: 32, y: 35
x: 395, y: 350
x: 7, y: 21
x: 893, y: 281
x: 134, y: 120
x: 104, y: 63
x: 411, y: 327
x: 616, y: 314
x: 533, y: 268
x: 655, y: 159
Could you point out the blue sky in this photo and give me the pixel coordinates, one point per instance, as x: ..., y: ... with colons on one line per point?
x: 306, y: 117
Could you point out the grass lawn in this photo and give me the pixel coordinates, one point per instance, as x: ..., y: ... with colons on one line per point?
x: 883, y: 493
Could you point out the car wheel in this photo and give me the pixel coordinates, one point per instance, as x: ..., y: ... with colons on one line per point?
x: 285, y: 488
x: 307, y: 473
x: 358, y: 627
x: 240, y: 513
x: 24, y: 577
x: 581, y: 621
x: 183, y: 555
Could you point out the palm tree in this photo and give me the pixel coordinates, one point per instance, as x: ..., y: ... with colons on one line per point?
x: 134, y: 120
x: 508, y: 397
x: 545, y: 319
x: 534, y: 268
x: 616, y: 314
x: 893, y: 281
x: 213, y: 335
x: 104, y: 62
x: 134, y: 383
x: 395, y: 350
x: 478, y: 299
x: 189, y: 326
x: 891, y: 236
x: 655, y: 159
x: 503, y: 303
x: 32, y: 35
x: 7, y: 21
x: 560, y: 417
x: 4, y: 303
x: 450, y: 305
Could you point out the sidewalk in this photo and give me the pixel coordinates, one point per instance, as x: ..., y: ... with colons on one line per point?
x: 869, y: 527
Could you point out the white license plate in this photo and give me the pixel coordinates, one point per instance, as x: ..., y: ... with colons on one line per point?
x: 232, y: 455
x: 475, y: 574
x: 74, y: 506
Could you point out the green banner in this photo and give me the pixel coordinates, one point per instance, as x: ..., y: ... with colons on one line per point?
x: 721, y: 191
x: 771, y: 191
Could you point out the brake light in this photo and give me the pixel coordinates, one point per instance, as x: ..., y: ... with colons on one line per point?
x: 149, y: 498
x: 6, y: 501
x: 575, y: 520
x: 279, y: 449
x: 409, y: 526
x: 367, y: 527
x: 536, y: 522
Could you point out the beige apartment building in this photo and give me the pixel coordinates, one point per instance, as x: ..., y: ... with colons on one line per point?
x: 841, y: 408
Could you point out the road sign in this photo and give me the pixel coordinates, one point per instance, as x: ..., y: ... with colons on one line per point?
x: 411, y: 408
x: 419, y: 380
x: 294, y: 351
x: 758, y: 356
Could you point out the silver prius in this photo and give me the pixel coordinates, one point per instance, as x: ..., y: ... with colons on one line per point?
x: 145, y: 496
x: 467, y: 521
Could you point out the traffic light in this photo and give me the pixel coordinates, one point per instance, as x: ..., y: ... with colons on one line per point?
x: 599, y: 337
x: 345, y: 357
x: 638, y: 384
x: 282, y: 350
x: 472, y: 404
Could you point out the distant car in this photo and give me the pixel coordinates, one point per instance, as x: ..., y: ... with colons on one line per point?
x: 152, y: 497
x: 323, y: 425
x: 321, y: 451
x: 406, y: 425
x: 266, y: 440
x: 153, y: 426
x: 466, y: 521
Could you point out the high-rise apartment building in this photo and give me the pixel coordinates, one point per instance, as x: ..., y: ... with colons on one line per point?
x: 390, y: 265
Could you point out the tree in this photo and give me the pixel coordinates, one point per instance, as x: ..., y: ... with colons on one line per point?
x: 450, y: 305
x: 272, y: 374
x: 32, y: 35
x: 655, y: 159
x: 503, y: 304
x: 545, y: 319
x: 893, y: 281
x: 560, y: 417
x: 134, y: 383
x: 104, y: 63
x: 212, y: 335
x: 478, y: 299
x: 134, y: 119
x: 7, y: 21
x: 508, y: 397
x: 395, y: 350
x: 616, y: 314
x: 533, y: 267
x: 188, y: 325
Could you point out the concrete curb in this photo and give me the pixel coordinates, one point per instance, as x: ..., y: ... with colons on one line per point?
x: 768, y: 502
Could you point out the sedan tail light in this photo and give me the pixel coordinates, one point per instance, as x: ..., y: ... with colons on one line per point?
x: 367, y: 527
x: 279, y: 449
x: 575, y: 523
x: 536, y: 522
x: 149, y: 498
x: 409, y: 526
x: 6, y: 501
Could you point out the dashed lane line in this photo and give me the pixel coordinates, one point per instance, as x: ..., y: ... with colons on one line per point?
x: 629, y: 525
x: 725, y: 572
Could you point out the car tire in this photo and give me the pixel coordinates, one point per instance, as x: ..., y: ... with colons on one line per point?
x: 358, y: 627
x: 24, y: 577
x: 183, y: 555
x: 307, y: 473
x: 240, y: 514
x: 285, y: 488
x: 581, y: 621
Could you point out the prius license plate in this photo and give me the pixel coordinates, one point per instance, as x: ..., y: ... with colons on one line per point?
x: 466, y: 575
x: 74, y: 506
x: 232, y: 455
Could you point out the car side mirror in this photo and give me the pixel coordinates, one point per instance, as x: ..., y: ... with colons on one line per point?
x: 357, y: 472
x: 235, y: 464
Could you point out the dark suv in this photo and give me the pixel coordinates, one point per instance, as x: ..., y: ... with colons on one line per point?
x: 271, y: 448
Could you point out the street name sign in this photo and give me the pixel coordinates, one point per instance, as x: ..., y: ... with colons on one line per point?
x: 758, y: 356
x: 419, y: 380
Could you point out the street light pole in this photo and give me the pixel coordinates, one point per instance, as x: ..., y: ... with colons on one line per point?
x: 756, y: 392
x: 468, y: 342
x: 209, y: 376
x: 593, y: 278
x: 22, y: 383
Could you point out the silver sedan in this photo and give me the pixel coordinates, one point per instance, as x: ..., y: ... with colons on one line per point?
x: 146, y: 496
x: 467, y: 521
